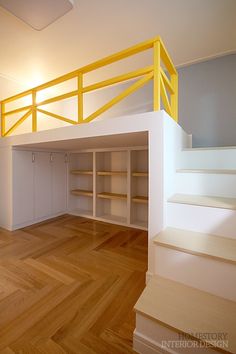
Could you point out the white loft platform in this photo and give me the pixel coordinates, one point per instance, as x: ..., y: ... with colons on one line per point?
x: 97, y: 134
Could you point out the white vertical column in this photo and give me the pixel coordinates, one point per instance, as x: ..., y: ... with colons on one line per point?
x: 156, y: 183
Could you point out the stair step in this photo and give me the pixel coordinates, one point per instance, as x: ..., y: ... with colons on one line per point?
x: 204, y: 200
x: 188, y: 310
x: 207, y: 245
x: 207, y: 171
x: 210, y: 148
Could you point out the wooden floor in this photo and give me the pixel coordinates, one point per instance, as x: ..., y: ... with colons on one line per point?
x: 69, y: 286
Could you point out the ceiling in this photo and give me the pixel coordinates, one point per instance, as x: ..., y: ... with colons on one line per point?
x: 191, y: 30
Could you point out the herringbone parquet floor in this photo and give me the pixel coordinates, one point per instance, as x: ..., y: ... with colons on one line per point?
x: 69, y: 286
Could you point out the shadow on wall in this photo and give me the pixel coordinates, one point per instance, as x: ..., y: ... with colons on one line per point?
x: 207, y: 94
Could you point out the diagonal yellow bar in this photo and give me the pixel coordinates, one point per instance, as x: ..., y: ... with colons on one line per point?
x: 118, y: 79
x: 165, y: 98
x: 57, y: 116
x: 120, y: 97
x: 167, y: 59
x: 167, y: 82
x: 17, y: 110
x: 57, y: 98
x: 19, y: 122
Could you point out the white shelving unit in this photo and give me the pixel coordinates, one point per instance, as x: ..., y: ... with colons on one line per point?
x: 110, y: 185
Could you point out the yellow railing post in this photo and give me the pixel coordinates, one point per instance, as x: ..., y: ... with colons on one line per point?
x: 34, y: 112
x: 80, y: 98
x: 174, y: 96
x: 3, y: 127
x: 156, y: 76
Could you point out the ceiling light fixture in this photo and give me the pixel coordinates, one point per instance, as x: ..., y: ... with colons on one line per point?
x: 38, y: 13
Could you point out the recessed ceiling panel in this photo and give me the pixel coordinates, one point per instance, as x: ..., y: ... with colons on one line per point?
x: 37, y: 13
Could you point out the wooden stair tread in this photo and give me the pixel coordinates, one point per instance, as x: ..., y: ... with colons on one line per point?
x: 203, y: 200
x: 188, y: 310
x: 82, y: 192
x: 107, y: 195
x: 210, y: 148
x: 140, y: 199
x: 208, y: 171
x: 197, y: 243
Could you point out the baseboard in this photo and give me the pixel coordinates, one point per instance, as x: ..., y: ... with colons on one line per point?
x: 144, y: 345
x: 36, y: 221
x: 149, y: 275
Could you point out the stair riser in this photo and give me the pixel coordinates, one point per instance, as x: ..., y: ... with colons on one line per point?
x: 150, y: 335
x: 215, y: 221
x: 204, y: 273
x: 221, y: 185
x: 208, y: 159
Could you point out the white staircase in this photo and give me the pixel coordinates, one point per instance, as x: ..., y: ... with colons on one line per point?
x: 193, y: 289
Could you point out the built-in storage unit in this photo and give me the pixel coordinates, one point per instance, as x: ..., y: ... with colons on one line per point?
x: 39, y: 188
x: 110, y: 185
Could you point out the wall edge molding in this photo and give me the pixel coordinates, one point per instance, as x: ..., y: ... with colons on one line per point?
x: 205, y: 59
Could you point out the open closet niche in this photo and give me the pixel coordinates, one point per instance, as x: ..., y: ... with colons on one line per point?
x: 110, y: 185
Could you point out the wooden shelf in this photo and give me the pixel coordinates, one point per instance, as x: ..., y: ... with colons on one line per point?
x: 140, y: 199
x: 81, y: 172
x: 112, y: 173
x: 82, y: 192
x: 140, y: 174
x: 106, y: 195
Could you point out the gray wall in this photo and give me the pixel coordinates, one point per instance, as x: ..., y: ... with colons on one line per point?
x: 207, y: 101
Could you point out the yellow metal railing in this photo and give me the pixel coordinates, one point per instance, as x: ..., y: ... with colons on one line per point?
x: 162, y: 72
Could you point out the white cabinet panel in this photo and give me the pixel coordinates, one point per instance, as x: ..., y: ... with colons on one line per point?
x: 23, y: 187
x: 59, y: 183
x: 43, y: 183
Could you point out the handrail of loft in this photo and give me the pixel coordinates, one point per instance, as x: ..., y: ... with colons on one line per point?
x: 161, y: 71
